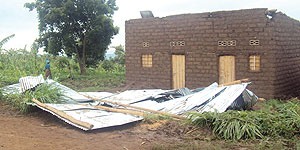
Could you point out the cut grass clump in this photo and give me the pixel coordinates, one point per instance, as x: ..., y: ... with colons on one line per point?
x: 45, y: 93
x: 275, y: 119
x: 229, y: 125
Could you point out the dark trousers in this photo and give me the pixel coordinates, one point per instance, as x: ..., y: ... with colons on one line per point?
x: 48, y: 74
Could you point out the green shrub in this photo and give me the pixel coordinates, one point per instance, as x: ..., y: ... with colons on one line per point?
x: 107, y: 65
x: 62, y: 63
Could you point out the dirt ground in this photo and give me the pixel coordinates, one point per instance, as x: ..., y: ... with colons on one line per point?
x: 40, y: 130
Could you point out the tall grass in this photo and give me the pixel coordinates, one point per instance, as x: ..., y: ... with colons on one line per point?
x: 19, y: 63
x: 15, y: 64
x: 275, y: 119
x: 45, y: 93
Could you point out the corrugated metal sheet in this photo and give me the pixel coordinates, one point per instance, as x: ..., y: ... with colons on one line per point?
x: 70, y: 95
x: 97, y: 117
x: 12, y: 89
x: 224, y: 99
x: 211, y: 98
x: 133, y: 96
x: 30, y: 82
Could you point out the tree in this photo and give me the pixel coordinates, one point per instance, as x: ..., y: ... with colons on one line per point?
x: 34, y: 51
x: 120, y: 55
x: 3, y: 41
x: 81, y: 28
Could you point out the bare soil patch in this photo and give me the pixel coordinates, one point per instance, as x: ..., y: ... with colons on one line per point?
x: 41, y: 130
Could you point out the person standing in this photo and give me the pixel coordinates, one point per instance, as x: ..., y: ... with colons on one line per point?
x: 47, y: 70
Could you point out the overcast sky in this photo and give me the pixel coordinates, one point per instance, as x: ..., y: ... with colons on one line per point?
x: 15, y: 19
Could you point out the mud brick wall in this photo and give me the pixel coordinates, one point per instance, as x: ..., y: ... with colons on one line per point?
x: 287, y: 37
x: 151, y: 31
x: 201, y: 33
x: 203, y: 52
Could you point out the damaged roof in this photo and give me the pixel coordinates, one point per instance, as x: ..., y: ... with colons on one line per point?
x: 81, y: 108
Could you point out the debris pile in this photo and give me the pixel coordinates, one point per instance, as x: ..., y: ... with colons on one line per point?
x: 94, y: 110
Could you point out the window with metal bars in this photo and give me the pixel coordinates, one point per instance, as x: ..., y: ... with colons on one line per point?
x: 147, y: 61
x: 254, y: 62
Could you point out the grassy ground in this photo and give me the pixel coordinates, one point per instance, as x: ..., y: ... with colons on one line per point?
x: 100, y: 81
x: 194, y: 138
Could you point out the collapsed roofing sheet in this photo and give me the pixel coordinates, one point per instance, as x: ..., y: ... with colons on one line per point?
x: 29, y: 82
x: 129, y: 96
x: 80, y: 108
x: 211, y: 98
x: 97, y: 117
x: 70, y: 96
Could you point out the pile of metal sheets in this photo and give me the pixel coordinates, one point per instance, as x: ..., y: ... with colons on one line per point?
x: 211, y: 98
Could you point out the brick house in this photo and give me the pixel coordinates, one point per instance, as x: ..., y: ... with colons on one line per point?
x: 195, y: 50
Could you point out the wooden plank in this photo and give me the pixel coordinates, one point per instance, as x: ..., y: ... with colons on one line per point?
x: 125, y: 111
x: 234, y: 82
x: 150, y: 60
x: 64, y: 115
x: 136, y: 107
x: 174, y: 71
x: 221, y: 70
x: 183, y: 72
x: 232, y: 60
x: 178, y: 70
x: 226, y: 69
x: 143, y: 60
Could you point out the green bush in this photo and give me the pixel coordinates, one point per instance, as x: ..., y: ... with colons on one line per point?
x: 62, y: 63
x: 107, y: 65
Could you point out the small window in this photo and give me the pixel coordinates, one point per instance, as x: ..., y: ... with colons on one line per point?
x: 254, y: 42
x: 180, y: 43
x: 254, y: 62
x: 145, y: 44
x: 222, y: 43
x: 172, y: 44
x: 147, y: 60
x: 227, y: 43
x: 231, y: 43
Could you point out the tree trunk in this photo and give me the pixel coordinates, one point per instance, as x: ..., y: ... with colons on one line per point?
x: 82, y: 66
x: 81, y: 58
x: 70, y: 70
x: 81, y: 61
x: 83, y: 71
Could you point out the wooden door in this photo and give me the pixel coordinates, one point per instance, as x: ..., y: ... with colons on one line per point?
x: 226, y: 69
x: 178, y: 70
